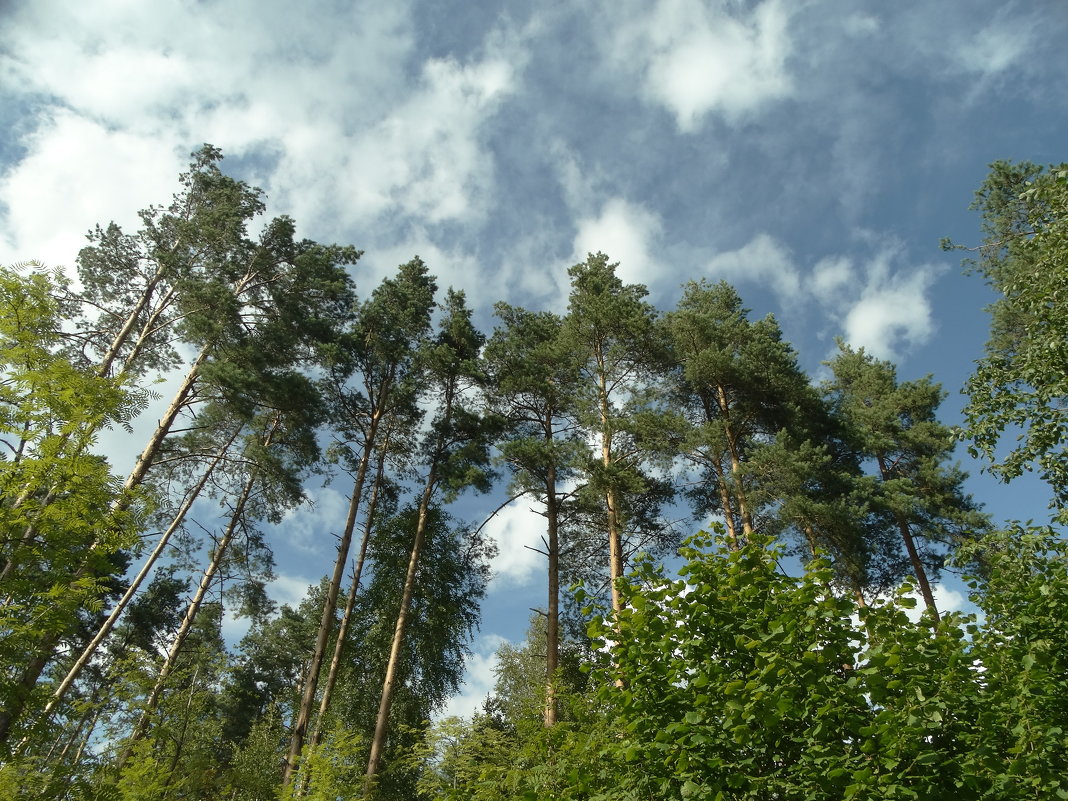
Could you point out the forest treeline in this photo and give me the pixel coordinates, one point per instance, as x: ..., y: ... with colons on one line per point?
x: 628, y: 427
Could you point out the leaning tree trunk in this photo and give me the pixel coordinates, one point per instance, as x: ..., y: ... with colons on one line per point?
x: 910, y: 548
x: 135, y: 584
x: 191, y: 613
x: 326, y: 623
x: 378, y: 742
x: 350, y: 603
x: 47, y: 644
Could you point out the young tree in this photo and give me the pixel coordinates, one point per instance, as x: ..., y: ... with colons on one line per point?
x: 54, y: 491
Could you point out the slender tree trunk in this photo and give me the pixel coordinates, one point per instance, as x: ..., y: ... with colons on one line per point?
x: 382, y: 721
x: 131, y: 591
x: 179, y: 744
x: 47, y: 644
x: 728, y: 512
x: 128, y: 325
x: 86, y: 737
x: 378, y: 741
x: 917, y: 567
x: 326, y: 623
x: 350, y: 602
x: 151, y: 450
x: 20, y: 693
x: 552, y: 623
x: 191, y: 613
x: 615, y: 539
x: 736, y: 462
x: 150, y: 327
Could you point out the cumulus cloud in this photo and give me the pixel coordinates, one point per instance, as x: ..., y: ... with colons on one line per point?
x: 763, y: 260
x: 893, y: 311
x: 337, y: 117
x: 78, y: 173
x: 424, y: 159
x: 479, y: 677
x: 516, y: 530
x: 629, y: 234
x: 830, y: 278
x: 877, y: 301
x: 696, y: 59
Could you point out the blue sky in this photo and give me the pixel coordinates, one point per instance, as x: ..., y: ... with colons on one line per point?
x: 812, y: 153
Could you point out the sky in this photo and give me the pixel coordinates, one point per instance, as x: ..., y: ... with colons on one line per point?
x: 812, y: 153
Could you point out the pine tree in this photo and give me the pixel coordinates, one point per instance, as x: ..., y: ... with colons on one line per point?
x: 893, y: 427
x: 613, y: 331
x: 455, y: 455
x: 535, y: 376
x: 379, y: 356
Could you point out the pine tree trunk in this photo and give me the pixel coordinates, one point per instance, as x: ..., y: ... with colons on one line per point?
x: 128, y: 325
x: 48, y: 643
x: 191, y: 613
x: 151, y: 450
x: 346, y: 617
x: 326, y: 623
x: 736, y: 463
x: 615, y: 539
x: 552, y: 624
x: 378, y: 742
x: 135, y: 584
x: 910, y: 548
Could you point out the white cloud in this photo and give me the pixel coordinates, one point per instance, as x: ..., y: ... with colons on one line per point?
x: 999, y: 46
x: 352, y: 125
x: 79, y: 173
x: 893, y: 313
x: 424, y: 158
x: 479, y: 677
x: 695, y: 60
x: 831, y: 278
x: 628, y: 233
x: 516, y: 530
x: 880, y: 306
x: 763, y: 260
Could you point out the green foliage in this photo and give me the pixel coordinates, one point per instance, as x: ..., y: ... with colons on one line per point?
x: 1016, y: 415
x: 336, y: 768
x: 893, y: 428
x: 740, y: 682
x: 253, y: 772
x: 1020, y: 736
x: 56, y: 495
